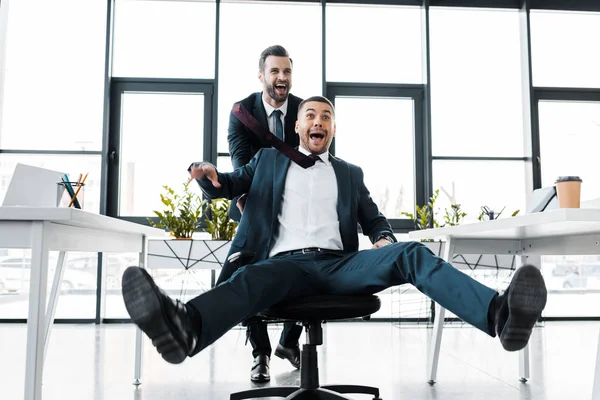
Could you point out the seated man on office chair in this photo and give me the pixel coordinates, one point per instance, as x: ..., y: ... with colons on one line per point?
x: 301, y: 220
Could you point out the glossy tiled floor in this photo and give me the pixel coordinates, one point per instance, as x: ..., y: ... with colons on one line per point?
x: 96, y: 362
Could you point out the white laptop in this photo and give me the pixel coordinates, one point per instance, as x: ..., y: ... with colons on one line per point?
x: 34, y: 187
x: 543, y: 199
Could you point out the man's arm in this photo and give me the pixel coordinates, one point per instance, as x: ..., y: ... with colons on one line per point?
x: 240, y: 148
x: 373, y: 223
x: 216, y: 185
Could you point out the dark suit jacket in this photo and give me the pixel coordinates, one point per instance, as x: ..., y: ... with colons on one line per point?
x: 243, y: 144
x: 263, y: 178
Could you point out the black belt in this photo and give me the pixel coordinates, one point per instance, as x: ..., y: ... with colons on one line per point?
x: 304, y: 251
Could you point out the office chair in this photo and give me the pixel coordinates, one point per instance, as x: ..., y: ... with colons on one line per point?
x: 312, y: 311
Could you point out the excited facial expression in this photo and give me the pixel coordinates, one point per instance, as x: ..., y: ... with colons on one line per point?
x: 316, y: 126
x: 276, y: 80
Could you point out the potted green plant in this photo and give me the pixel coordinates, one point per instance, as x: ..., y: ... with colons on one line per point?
x: 453, y: 216
x: 218, y: 223
x: 424, y: 216
x: 183, y: 213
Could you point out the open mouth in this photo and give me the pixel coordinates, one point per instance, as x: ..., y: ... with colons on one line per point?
x: 281, y: 89
x: 317, y: 138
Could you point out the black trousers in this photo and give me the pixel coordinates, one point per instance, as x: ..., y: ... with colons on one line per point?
x: 258, y: 335
x: 258, y: 286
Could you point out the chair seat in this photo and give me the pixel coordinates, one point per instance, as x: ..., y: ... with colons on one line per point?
x: 325, y: 308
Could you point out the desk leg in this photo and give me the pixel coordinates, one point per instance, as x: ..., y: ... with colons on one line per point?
x: 438, y: 324
x: 53, y: 300
x: 137, y: 373
x: 524, y: 364
x: 436, y: 341
x: 36, y: 318
x: 102, y: 284
x: 596, y: 389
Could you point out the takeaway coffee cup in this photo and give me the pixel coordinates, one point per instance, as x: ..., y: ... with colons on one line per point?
x: 568, y: 189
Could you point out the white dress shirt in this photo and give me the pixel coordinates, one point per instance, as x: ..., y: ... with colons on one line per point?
x: 308, y: 216
x: 269, y: 109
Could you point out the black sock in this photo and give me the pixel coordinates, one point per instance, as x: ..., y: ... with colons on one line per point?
x: 195, y: 317
x: 491, y: 317
x: 498, y: 313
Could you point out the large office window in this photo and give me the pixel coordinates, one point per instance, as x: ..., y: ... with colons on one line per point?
x: 164, y: 39
x: 368, y: 43
x: 374, y: 73
x: 246, y: 29
x: 366, y: 118
x: 569, y: 143
x: 569, y: 132
x: 51, y: 117
x: 564, y: 49
x: 392, y: 196
x: 476, y: 97
x: 157, y: 130
x: 54, y: 76
x: 498, y: 185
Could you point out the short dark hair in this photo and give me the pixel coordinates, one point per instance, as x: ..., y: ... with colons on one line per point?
x: 319, y: 99
x: 277, y: 51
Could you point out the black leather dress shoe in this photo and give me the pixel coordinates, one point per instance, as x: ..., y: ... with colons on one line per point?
x: 260, y: 369
x: 519, y: 307
x: 290, y: 354
x: 167, y: 322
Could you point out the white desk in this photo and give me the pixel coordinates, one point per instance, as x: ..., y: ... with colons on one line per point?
x: 556, y: 232
x: 60, y: 229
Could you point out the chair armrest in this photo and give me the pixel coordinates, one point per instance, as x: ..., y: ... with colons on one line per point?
x: 241, y: 258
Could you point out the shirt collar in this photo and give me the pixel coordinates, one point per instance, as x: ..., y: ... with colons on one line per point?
x: 324, y: 157
x: 269, y: 108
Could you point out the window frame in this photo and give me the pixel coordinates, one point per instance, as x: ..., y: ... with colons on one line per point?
x: 416, y: 92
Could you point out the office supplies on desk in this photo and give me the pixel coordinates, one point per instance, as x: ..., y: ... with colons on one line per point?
x: 71, y: 187
x: 80, y: 184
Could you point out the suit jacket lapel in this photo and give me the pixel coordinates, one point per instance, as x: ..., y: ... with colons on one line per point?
x: 258, y: 111
x: 280, y: 168
x: 344, y: 204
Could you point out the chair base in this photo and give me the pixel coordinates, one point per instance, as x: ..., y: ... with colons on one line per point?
x: 327, y: 392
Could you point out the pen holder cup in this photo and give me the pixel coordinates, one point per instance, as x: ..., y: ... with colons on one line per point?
x: 70, y: 194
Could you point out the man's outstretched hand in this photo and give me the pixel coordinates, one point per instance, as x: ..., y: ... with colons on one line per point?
x: 381, y: 243
x: 204, y: 170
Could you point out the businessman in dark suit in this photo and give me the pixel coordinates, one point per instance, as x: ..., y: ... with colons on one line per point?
x: 303, y: 225
x: 275, y: 74
x: 276, y: 109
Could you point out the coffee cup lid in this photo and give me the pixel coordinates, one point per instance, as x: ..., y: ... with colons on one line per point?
x: 569, y: 178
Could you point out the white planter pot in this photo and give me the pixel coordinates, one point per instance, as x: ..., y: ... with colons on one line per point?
x: 187, y: 253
